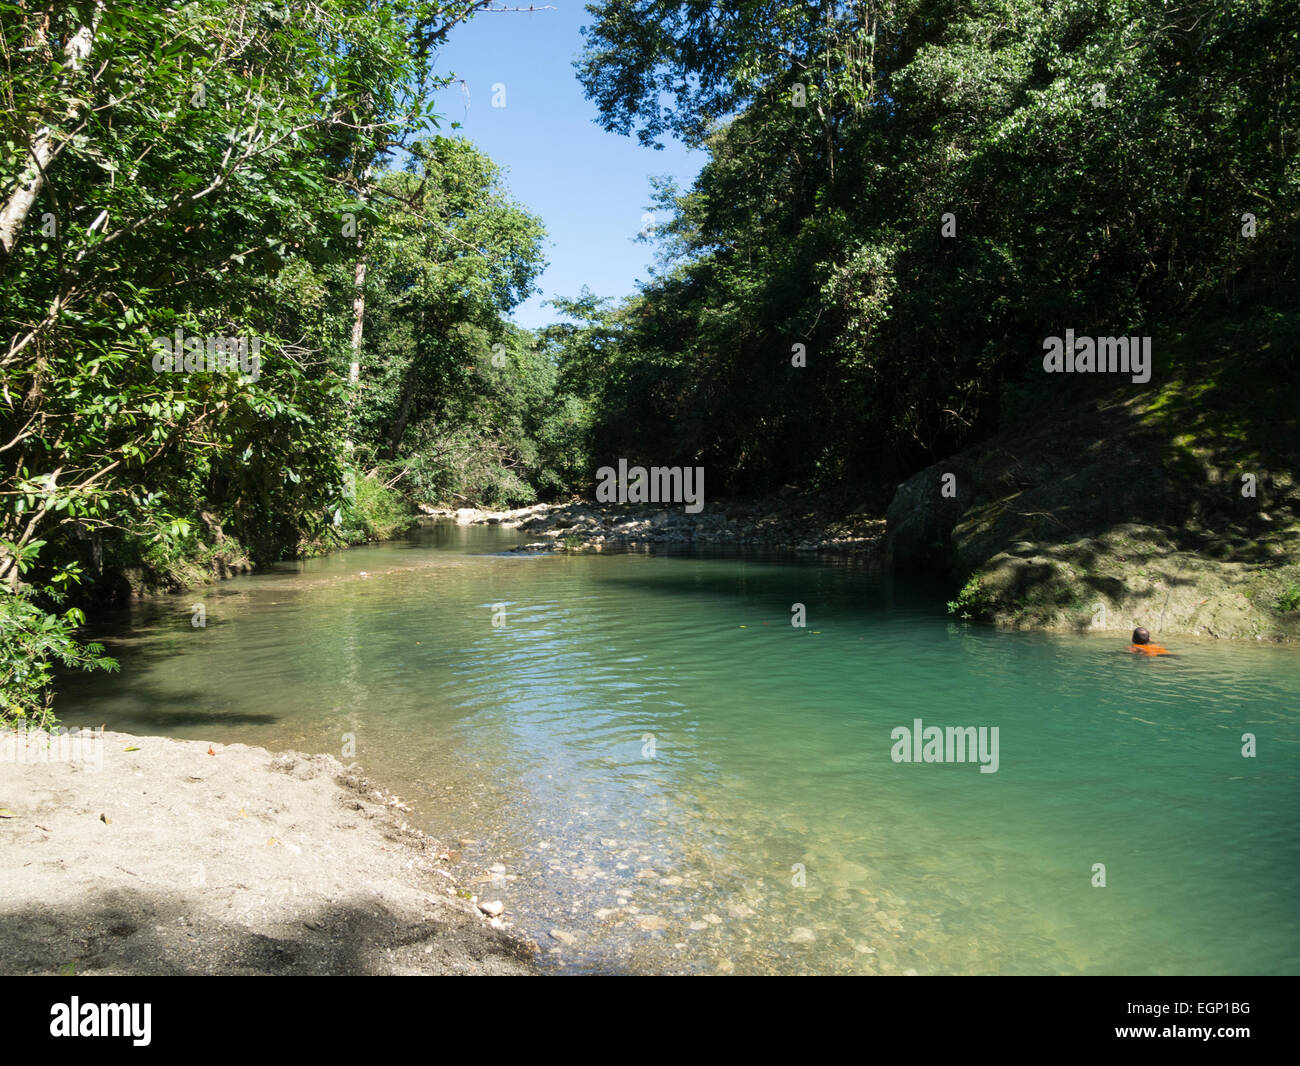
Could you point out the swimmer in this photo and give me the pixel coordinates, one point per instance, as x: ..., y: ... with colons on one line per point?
x: 1142, y: 643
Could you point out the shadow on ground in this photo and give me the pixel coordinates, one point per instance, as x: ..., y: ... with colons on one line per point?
x: 129, y: 932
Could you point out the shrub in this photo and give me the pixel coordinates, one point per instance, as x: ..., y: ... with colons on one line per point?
x: 1288, y: 599
x: 973, y: 601
x: 33, y: 642
x: 375, y: 512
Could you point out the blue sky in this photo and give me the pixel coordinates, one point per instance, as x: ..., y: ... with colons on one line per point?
x: 589, y: 187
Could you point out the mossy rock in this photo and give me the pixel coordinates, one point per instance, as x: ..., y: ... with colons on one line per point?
x: 1109, y: 516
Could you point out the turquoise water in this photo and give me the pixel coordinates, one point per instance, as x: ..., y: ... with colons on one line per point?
x: 654, y: 754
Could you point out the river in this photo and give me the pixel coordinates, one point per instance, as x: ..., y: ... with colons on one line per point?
x: 677, y: 780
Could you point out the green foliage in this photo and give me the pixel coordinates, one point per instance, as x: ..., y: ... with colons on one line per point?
x: 33, y: 641
x: 223, y: 168
x: 188, y: 168
x: 1097, y: 161
x: 1288, y: 599
x: 564, y: 461
x: 452, y: 398
x: 973, y: 601
x: 375, y: 512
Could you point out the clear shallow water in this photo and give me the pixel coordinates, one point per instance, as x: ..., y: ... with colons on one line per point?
x: 771, y: 748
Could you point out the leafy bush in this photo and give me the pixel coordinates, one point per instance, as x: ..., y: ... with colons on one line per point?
x: 973, y: 601
x: 1288, y: 599
x: 33, y: 642
x: 375, y: 512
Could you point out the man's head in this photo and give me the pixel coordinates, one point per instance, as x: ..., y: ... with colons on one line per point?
x: 1141, y: 636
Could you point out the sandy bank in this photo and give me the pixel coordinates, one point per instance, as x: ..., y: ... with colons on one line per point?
x: 168, y: 860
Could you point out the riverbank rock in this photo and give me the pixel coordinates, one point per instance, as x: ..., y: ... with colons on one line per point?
x: 1120, y: 512
x: 786, y: 521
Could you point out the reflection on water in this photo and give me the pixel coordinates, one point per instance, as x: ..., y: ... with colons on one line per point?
x: 676, y: 779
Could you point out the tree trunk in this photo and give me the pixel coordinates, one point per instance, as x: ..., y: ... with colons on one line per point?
x: 403, y: 412
x: 358, y: 312
x: 32, y: 178
x: 358, y: 323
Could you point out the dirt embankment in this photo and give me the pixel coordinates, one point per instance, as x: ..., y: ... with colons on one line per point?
x: 146, y: 855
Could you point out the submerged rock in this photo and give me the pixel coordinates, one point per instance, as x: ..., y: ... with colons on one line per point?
x: 651, y: 923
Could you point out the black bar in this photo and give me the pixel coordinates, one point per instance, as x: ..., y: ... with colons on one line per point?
x: 1052, y: 1016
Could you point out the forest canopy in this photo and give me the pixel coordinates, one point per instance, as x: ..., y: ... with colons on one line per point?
x: 251, y: 176
x: 909, y: 196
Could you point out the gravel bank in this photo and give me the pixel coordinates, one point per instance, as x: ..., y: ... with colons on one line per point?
x: 785, y: 522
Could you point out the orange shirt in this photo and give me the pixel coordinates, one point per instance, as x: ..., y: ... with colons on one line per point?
x: 1149, y: 649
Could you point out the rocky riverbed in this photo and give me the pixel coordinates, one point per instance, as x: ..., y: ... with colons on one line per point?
x: 789, y: 522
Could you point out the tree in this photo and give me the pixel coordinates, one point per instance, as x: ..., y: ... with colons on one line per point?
x: 1096, y: 160
x: 174, y: 175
